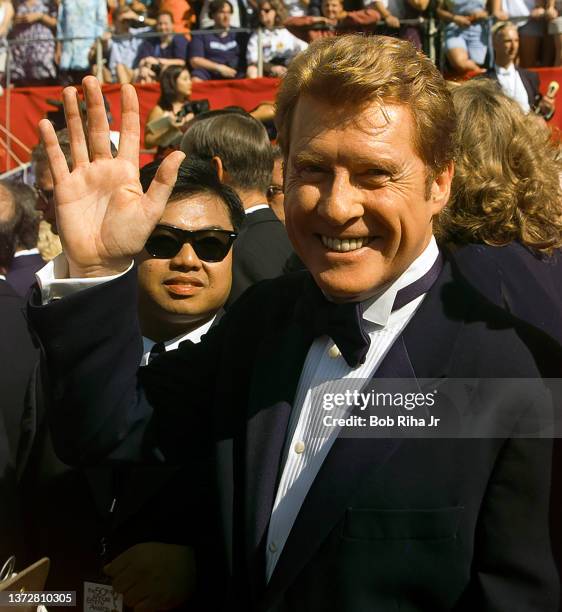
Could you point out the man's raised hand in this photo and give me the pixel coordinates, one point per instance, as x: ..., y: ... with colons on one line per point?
x: 103, y: 217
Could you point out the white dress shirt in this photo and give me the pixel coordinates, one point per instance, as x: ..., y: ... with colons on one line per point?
x: 255, y: 208
x: 326, y: 371
x: 24, y: 252
x: 512, y: 85
x: 194, y: 335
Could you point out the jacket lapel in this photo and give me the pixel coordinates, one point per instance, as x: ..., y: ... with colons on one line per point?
x: 352, y: 459
x: 279, y: 363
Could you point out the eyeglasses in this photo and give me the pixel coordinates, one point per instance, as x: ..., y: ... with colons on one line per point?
x: 166, y: 241
x: 45, y: 194
x: 274, y: 190
x: 266, y: 10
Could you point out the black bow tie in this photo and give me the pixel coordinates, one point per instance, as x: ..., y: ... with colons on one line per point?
x: 343, y: 323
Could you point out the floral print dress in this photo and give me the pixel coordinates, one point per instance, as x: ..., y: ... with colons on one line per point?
x: 33, y: 61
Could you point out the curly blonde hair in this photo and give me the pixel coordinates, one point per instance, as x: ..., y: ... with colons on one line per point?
x: 506, y: 185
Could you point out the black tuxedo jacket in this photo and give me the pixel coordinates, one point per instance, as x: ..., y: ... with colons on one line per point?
x: 388, y: 524
x: 529, y: 79
x: 260, y: 251
x: 18, y: 357
x: 21, y: 274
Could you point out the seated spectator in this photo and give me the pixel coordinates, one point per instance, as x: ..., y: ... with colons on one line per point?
x: 155, y: 54
x: 163, y: 126
x: 393, y: 11
x: 334, y: 21
x: 240, y: 18
x: 27, y: 260
x: 83, y: 21
x: 218, y: 56
x: 123, y: 51
x: 531, y: 30
x: 279, y: 45
x: 6, y: 20
x: 34, y: 64
x: 466, y: 37
x: 519, y: 84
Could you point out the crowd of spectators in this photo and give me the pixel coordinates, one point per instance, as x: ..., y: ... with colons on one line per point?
x: 55, y: 41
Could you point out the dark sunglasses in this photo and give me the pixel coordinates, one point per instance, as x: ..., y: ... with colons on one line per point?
x: 45, y: 194
x: 166, y: 241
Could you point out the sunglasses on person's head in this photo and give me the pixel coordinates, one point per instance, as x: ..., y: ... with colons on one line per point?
x: 166, y: 241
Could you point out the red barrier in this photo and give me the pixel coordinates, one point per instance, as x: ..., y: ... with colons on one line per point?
x: 29, y: 104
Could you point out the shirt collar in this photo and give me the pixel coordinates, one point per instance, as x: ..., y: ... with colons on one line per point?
x: 194, y: 335
x: 26, y: 252
x: 510, y: 70
x: 378, y: 309
x: 252, y: 209
x: 2, y: 277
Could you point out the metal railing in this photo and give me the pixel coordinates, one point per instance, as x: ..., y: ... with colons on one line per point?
x: 431, y: 33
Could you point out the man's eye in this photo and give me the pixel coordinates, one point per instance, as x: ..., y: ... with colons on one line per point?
x: 312, y: 169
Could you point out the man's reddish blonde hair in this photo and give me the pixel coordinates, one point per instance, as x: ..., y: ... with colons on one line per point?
x: 355, y: 71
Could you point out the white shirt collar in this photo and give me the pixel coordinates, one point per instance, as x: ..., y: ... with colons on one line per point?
x: 26, y: 252
x: 252, y: 209
x: 378, y: 309
x: 194, y: 335
x: 2, y: 277
x: 510, y: 70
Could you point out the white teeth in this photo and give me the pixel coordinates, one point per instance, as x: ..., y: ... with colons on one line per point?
x: 343, y: 246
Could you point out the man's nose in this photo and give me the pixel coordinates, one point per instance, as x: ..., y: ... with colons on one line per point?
x: 340, y: 201
x: 186, y: 258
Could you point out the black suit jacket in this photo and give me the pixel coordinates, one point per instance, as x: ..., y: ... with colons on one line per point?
x: 18, y: 357
x: 388, y: 524
x: 260, y: 251
x: 21, y: 274
x: 529, y: 79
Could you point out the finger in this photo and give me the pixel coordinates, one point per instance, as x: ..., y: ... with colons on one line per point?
x: 118, y: 565
x: 129, y: 140
x: 98, y: 126
x: 163, y: 183
x: 78, y: 146
x: 135, y: 594
x: 55, y: 157
x: 124, y: 582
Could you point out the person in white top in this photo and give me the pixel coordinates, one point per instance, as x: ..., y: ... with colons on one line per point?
x: 279, y: 45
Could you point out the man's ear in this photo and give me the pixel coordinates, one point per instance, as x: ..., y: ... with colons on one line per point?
x: 219, y: 168
x: 441, y: 188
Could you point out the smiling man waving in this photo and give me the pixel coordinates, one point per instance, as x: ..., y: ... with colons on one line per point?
x: 306, y: 517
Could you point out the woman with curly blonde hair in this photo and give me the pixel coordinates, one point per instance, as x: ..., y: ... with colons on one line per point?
x: 507, y: 174
x: 504, y: 218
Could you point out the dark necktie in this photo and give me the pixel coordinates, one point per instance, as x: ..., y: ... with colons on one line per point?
x: 343, y: 323
x: 158, y: 349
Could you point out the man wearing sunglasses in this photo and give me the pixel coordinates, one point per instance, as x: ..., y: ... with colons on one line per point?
x: 185, y: 269
x: 184, y: 277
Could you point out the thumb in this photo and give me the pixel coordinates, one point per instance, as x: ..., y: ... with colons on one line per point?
x: 164, y: 181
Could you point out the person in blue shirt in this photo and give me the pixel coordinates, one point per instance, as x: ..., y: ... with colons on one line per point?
x: 218, y: 55
x: 156, y: 54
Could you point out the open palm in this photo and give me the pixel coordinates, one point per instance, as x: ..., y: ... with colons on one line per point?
x: 103, y: 216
